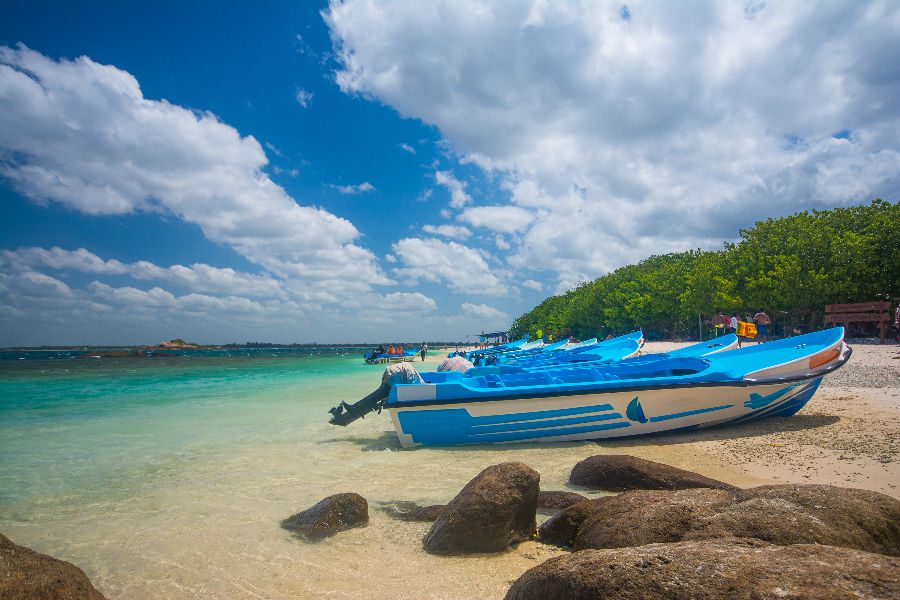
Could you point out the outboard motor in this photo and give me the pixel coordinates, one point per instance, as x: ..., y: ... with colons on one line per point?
x: 343, y: 414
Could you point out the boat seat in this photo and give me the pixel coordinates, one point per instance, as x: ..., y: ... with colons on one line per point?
x: 526, y: 379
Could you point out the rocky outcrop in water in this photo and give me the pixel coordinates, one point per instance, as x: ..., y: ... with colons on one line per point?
x: 558, y: 500
x: 779, y: 514
x: 735, y: 568
x: 619, y: 473
x: 329, y: 516
x: 26, y: 575
x: 495, y: 510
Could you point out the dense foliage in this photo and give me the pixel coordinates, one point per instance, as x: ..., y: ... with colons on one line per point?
x: 790, y: 266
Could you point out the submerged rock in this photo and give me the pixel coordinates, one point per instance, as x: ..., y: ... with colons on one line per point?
x: 495, y: 510
x: 619, y: 473
x: 26, y: 574
x: 410, y: 511
x: 329, y: 516
x: 736, y: 568
x: 558, y: 500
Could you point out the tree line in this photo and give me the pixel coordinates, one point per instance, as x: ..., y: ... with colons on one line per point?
x: 790, y: 266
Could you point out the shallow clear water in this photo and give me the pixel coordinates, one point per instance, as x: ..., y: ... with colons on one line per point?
x: 167, y: 477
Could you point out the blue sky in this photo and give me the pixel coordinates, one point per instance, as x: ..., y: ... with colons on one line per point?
x: 379, y: 171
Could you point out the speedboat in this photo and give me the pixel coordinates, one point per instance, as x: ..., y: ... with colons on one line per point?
x: 620, y: 399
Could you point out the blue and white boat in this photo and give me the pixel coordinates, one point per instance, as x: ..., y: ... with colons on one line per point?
x: 621, y: 399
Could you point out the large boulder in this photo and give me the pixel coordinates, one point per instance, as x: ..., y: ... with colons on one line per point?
x: 646, y: 517
x: 779, y: 514
x: 494, y: 510
x: 329, y: 516
x: 410, y: 511
x: 26, y: 574
x: 558, y: 500
x: 716, y: 569
x: 619, y: 473
x: 811, y: 514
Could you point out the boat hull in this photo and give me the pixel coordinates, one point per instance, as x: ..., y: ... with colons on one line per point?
x: 598, y: 415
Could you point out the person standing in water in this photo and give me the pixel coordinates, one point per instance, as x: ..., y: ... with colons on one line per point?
x: 423, y: 350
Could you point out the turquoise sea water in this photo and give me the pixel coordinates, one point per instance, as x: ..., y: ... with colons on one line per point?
x: 167, y: 477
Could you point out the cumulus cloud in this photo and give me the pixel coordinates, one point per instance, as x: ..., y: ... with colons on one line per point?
x: 407, y: 148
x: 458, y: 195
x: 451, y: 231
x: 408, y: 301
x: 361, y: 188
x: 196, y: 277
x: 461, y: 268
x: 503, y: 219
x: 534, y: 285
x: 83, y: 135
x: 483, y: 311
x: 640, y: 130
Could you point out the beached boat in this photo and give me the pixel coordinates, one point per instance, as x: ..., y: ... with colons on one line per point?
x: 616, y: 400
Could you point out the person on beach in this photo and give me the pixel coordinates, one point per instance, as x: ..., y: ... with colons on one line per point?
x: 719, y: 322
x: 732, y: 323
x: 762, y: 321
x: 423, y: 350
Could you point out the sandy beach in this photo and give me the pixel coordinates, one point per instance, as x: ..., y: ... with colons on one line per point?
x: 848, y: 435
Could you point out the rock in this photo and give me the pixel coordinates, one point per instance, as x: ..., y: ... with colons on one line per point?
x: 712, y: 570
x: 26, y: 574
x: 560, y: 530
x: 811, y: 514
x: 495, y: 510
x: 779, y: 514
x: 329, y: 516
x: 619, y: 473
x: 558, y: 500
x: 410, y: 511
x: 651, y: 516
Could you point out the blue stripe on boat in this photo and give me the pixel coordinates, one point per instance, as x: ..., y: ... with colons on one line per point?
x: 689, y: 412
x: 520, y: 426
x: 539, y: 414
x: 457, y: 426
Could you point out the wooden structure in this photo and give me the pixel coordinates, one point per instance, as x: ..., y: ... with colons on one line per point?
x: 869, y: 312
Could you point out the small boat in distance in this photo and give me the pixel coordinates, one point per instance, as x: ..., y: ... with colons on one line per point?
x: 650, y: 394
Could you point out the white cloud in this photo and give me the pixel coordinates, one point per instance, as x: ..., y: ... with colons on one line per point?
x: 38, y: 285
x: 458, y: 195
x: 197, y: 277
x: 407, y: 148
x: 303, y: 97
x: 504, y: 219
x: 451, y: 231
x: 483, y: 311
x: 534, y: 285
x: 461, y: 268
x: 658, y: 128
x: 408, y: 301
x: 81, y: 134
x: 361, y: 188
x: 501, y: 243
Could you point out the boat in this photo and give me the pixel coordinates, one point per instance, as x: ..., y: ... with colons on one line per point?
x: 374, y: 358
x: 621, y: 399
